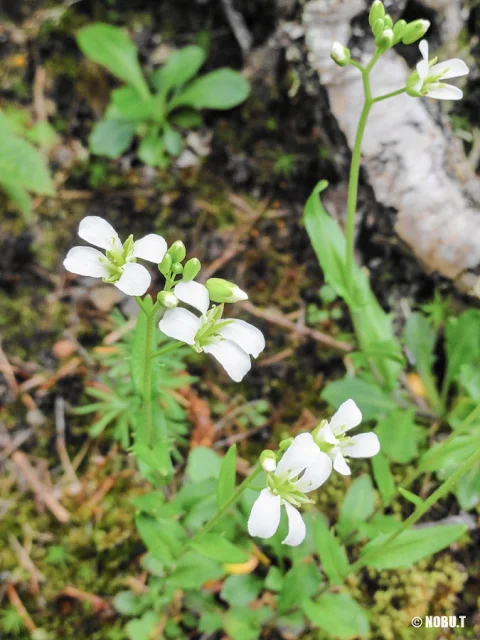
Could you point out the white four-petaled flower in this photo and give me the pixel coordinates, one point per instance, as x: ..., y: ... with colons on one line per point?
x: 118, y: 265
x: 231, y: 342
x: 303, y: 468
x: 331, y: 438
x: 429, y: 78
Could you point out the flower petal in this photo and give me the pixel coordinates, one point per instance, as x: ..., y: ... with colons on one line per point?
x: 265, y: 515
x: 152, y: 248
x: 248, y: 337
x: 180, y: 324
x: 340, y: 465
x: 448, y: 92
x: 299, y: 455
x: 85, y: 261
x: 348, y: 416
x: 296, y: 527
x: 423, y: 66
x: 315, y: 474
x: 233, y: 359
x: 98, y: 232
x: 454, y: 68
x: 134, y: 280
x: 326, y: 435
x: 194, y: 294
x: 365, y: 445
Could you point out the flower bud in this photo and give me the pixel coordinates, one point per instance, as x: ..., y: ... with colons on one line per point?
x: 284, y: 444
x: 388, y: 21
x: 378, y: 27
x: 385, y: 41
x: 165, y: 265
x: 177, y: 251
x: 340, y: 54
x: 377, y: 11
x: 167, y: 299
x: 268, y: 461
x: 191, y: 269
x: 399, y: 30
x: 177, y: 267
x: 415, y: 31
x: 221, y: 290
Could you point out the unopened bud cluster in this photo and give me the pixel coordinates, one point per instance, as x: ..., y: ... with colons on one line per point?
x: 387, y: 33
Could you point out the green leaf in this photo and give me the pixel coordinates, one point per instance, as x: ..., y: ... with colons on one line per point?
x: 331, y: 553
x: 411, y: 497
x: 462, y: 337
x: 419, y: 337
x: 192, y: 571
x: 111, y: 138
x: 239, y: 591
x: 126, y: 104
x: 156, y: 457
x: 187, y: 119
x: 399, y: 435
x: 163, y: 538
x: 111, y: 47
x: 19, y: 195
x: 357, y: 506
x: 301, y: 582
x: 22, y: 167
x: 411, y: 546
x: 203, y: 463
x: 339, y: 615
x: 372, y: 325
x: 152, y: 149
x: 181, y: 66
x: 373, y: 402
x: 142, y: 628
x: 173, y: 141
x: 226, y: 479
x: 220, y: 89
x: 468, y: 488
x: 128, y: 603
x: 42, y: 134
x: 383, y: 477
x: 216, y: 547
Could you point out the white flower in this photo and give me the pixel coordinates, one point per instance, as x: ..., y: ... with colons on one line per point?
x: 331, y: 438
x: 118, y: 265
x: 303, y: 468
x: 231, y: 342
x: 428, y: 79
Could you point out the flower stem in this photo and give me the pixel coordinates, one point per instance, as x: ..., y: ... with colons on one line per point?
x: 147, y: 376
x: 166, y: 349
x: 236, y: 495
x: 392, y: 94
x: 420, y: 510
x: 355, y: 170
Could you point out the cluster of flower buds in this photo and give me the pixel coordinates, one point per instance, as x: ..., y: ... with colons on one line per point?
x: 231, y: 342
x: 387, y: 33
x: 306, y: 463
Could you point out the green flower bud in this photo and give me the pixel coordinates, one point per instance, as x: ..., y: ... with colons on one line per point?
x: 388, y: 21
x: 385, y: 41
x: 177, y: 267
x: 378, y: 27
x: 399, y: 30
x: 165, y: 265
x: 284, y: 444
x: 340, y: 54
x: 191, y: 269
x: 377, y: 11
x: 177, y: 251
x: 415, y: 31
x: 167, y: 299
x: 221, y: 290
x: 268, y: 461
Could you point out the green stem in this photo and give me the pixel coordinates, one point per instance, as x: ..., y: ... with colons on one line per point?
x: 355, y: 170
x: 166, y: 349
x: 228, y: 504
x: 392, y: 94
x: 420, y: 510
x: 147, y: 374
